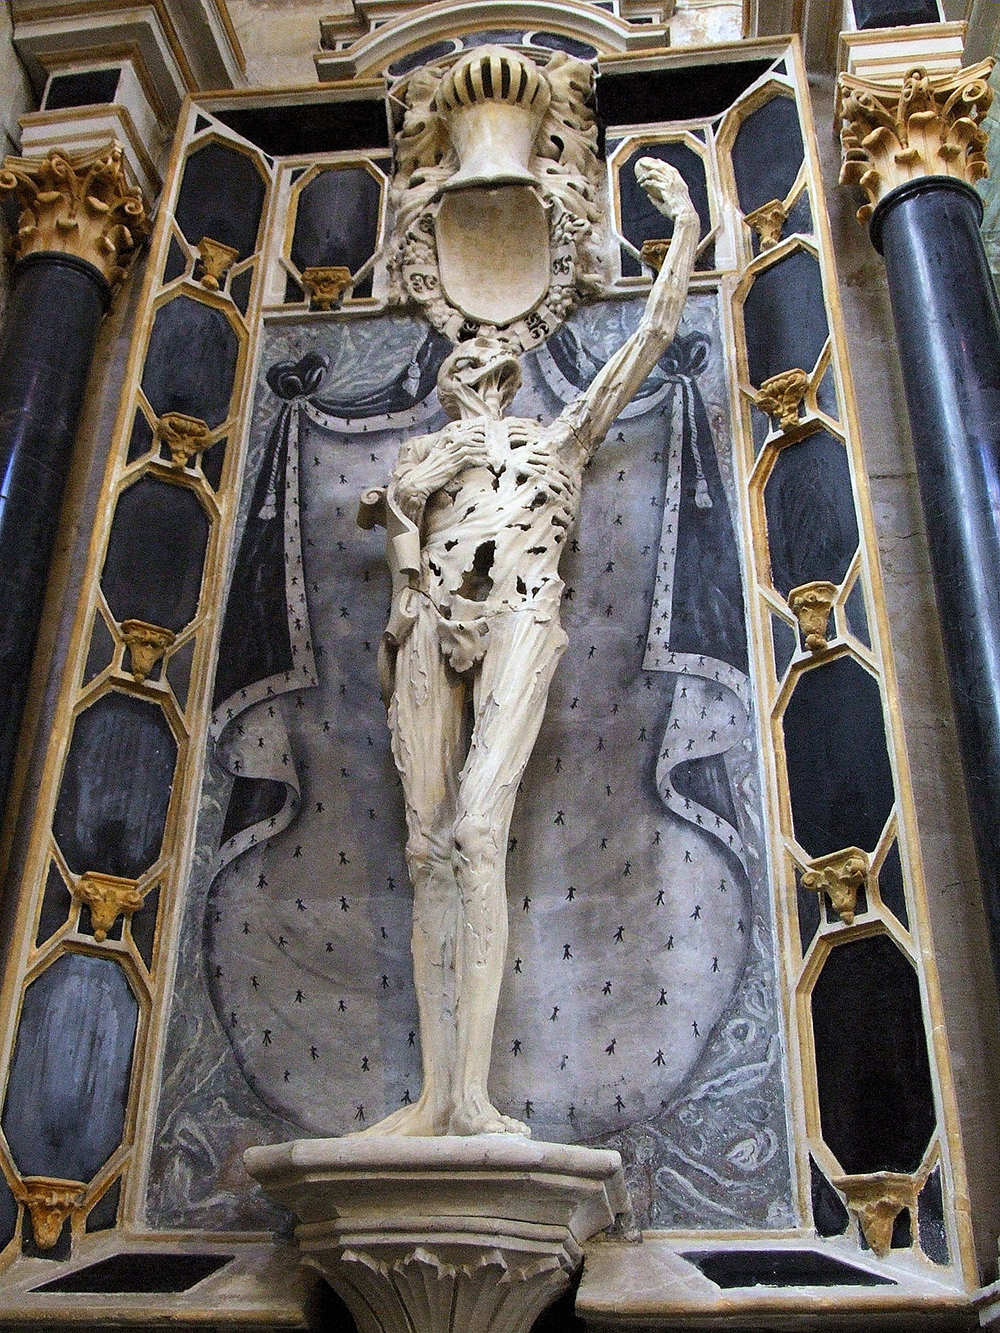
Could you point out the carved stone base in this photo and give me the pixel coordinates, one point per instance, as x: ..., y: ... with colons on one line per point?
x: 443, y: 1235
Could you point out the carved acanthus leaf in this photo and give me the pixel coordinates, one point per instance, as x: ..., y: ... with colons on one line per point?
x: 781, y: 395
x: 184, y: 436
x: 49, y: 1202
x: 876, y: 1200
x: 80, y: 204
x: 931, y: 126
x: 839, y: 876
x: 810, y: 604
x: 216, y: 261
x: 146, y: 644
x: 326, y: 285
x: 107, y: 896
x: 767, y: 221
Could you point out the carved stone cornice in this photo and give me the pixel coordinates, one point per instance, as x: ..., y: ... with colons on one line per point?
x: 929, y: 126
x: 325, y: 285
x: 80, y: 204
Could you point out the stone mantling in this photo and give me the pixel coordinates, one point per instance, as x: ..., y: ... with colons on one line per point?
x: 79, y: 204
x: 892, y: 134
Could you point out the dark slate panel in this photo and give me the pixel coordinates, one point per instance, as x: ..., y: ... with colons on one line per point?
x: 873, y: 1073
x: 337, y: 219
x: 800, y: 218
x: 55, y: 905
x: 809, y: 913
x: 143, y: 927
x: 191, y: 361
x: 221, y: 196
x: 140, y: 1273
x: 894, y: 13
x: 890, y: 886
x: 311, y: 127
x: 785, y: 317
x: 102, y: 645
x: 857, y: 619
x: 931, y: 1227
x: 104, y: 1213
x: 422, y: 56
x: 767, y: 153
x: 902, y: 1231
x: 785, y: 642
x: 839, y: 777
x: 555, y: 41
x: 690, y: 92
x: 141, y: 439
x: 178, y: 671
x: 92, y: 87
x: 812, y: 529
x: 239, y: 289
x: 212, y: 461
x: 156, y: 550
x: 65, y: 1105
x: 641, y: 221
x: 830, y: 1215
x: 781, y: 1268
x: 177, y: 261
x: 116, y: 787
x: 8, y: 1213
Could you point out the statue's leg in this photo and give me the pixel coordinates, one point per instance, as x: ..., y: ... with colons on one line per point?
x: 511, y: 694
x: 426, y: 721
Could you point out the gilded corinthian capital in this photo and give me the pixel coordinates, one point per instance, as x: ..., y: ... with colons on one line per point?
x: 79, y: 204
x: 929, y: 126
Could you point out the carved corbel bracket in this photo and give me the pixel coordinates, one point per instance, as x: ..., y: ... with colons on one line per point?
x: 80, y: 204
x: 653, y: 253
x: 146, y: 644
x: 108, y: 897
x: 49, y: 1202
x: 876, y: 1200
x: 326, y: 286
x: 781, y: 397
x: 184, y: 436
x: 811, y: 604
x: 767, y: 221
x: 216, y: 261
x: 929, y: 126
x: 839, y: 876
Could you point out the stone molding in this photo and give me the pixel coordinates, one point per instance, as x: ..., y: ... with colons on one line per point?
x: 892, y: 134
x: 443, y: 1235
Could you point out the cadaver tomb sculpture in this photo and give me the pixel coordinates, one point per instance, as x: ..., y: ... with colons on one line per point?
x: 477, y: 516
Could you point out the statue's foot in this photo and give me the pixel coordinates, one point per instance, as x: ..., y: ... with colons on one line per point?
x: 477, y: 1115
x: 417, y: 1121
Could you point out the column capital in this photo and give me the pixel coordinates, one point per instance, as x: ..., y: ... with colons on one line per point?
x: 79, y: 204
x: 892, y: 133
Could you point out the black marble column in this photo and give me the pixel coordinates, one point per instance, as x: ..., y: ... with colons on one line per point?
x: 947, y: 319
x: 54, y: 309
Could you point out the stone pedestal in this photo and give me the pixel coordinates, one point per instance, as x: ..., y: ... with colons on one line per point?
x: 443, y: 1235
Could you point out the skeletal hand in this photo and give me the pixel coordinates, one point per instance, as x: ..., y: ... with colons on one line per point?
x: 664, y: 186
x: 459, y: 446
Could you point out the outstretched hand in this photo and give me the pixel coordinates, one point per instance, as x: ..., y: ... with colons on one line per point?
x: 664, y: 186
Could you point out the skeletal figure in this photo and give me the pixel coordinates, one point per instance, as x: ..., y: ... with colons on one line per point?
x: 477, y: 516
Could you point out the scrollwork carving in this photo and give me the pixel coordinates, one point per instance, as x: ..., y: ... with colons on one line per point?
x: 184, y: 436
x: 767, y: 221
x: 781, y: 396
x: 811, y: 604
x: 80, y: 204
x: 108, y: 897
x: 839, y: 876
x: 326, y: 286
x: 216, y: 261
x: 931, y: 126
x: 146, y: 644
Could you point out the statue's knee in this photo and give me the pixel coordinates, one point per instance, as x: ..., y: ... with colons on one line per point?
x: 475, y: 840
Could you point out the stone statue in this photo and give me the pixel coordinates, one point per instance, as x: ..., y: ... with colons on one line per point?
x: 477, y: 516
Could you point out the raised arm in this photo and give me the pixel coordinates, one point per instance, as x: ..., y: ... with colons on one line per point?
x: 616, y: 385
